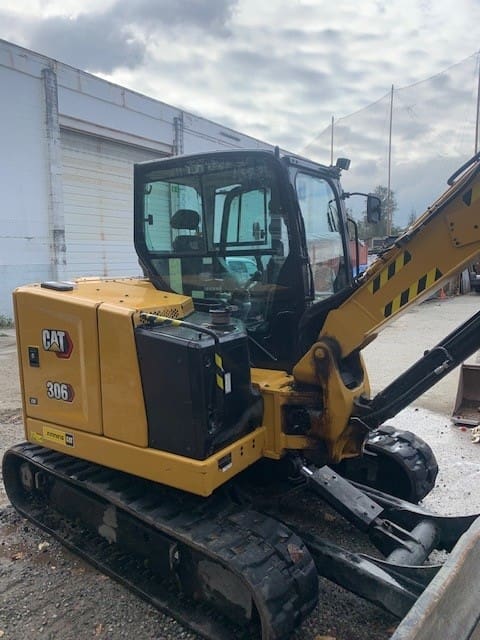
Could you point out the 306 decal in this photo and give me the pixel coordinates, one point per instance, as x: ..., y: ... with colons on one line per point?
x: 60, y: 391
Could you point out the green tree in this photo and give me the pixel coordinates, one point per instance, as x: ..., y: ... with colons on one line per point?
x: 412, y: 217
x: 385, y: 226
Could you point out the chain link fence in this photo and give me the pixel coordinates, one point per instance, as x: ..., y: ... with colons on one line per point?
x: 433, y: 130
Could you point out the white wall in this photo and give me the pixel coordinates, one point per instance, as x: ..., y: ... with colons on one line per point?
x: 24, y: 237
x: 98, y: 205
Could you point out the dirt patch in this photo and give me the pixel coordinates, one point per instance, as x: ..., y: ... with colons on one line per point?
x: 11, y: 429
x: 10, y: 398
x: 48, y: 593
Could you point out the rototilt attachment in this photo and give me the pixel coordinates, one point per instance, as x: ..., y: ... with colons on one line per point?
x: 406, y: 534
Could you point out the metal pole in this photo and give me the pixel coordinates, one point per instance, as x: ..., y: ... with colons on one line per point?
x: 58, y: 247
x: 478, y: 104
x: 331, y: 143
x: 178, y: 135
x: 389, y: 207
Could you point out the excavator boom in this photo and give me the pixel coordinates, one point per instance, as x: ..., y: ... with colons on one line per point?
x: 440, y: 244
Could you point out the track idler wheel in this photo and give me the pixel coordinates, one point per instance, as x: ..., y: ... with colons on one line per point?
x: 396, y: 462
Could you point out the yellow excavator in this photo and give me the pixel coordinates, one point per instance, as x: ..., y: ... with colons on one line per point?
x: 166, y: 415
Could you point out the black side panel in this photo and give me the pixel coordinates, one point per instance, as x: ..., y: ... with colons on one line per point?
x: 188, y: 412
x: 176, y: 380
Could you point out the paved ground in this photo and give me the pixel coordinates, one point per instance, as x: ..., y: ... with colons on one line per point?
x: 47, y: 593
x: 395, y: 349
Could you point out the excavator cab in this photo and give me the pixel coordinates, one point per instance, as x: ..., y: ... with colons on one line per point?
x: 231, y: 231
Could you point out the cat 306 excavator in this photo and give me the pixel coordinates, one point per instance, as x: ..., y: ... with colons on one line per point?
x: 166, y: 417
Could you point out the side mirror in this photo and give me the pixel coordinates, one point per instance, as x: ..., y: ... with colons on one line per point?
x: 374, y: 209
x: 343, y: 163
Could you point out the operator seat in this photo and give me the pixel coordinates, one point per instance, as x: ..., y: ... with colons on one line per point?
x: 188, y: 243
x: 186, y: 220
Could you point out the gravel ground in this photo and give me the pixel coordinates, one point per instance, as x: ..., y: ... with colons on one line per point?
x: 46, y: 592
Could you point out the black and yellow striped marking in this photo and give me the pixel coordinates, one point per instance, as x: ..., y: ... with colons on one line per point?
x: 223, y: 378
x: 387, y: 274
x: 412, y: 292
x: 220, y: 372
x: 154, y: 318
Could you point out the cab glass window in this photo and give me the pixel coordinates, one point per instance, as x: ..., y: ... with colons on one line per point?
x: 215, y: 229
x: 323, y: 233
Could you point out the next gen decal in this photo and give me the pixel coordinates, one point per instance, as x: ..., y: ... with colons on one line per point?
x: 58, y: 341
x: 60, y: 437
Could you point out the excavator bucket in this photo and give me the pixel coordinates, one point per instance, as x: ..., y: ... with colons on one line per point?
x: 449, y: 608
x: 467, y: 403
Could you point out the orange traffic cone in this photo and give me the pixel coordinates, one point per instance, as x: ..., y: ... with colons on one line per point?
x: 443, y: 295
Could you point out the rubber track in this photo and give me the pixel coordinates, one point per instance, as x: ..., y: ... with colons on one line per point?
x: 271, y: 560
x: 409, y: 452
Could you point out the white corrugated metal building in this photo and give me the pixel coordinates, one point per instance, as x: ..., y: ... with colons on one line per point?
x: 68, y: 141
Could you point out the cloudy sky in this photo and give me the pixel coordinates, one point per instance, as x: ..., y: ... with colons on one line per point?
x: 279, y: 70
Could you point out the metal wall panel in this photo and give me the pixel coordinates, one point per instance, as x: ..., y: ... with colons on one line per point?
x: 98, y: 202
x: 24, y: 239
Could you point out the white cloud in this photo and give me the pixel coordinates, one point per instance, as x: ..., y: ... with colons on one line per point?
x: 280, y: 70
